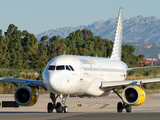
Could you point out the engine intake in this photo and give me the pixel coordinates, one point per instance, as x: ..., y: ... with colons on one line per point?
x: 26, y: 96
x: 133, y: 95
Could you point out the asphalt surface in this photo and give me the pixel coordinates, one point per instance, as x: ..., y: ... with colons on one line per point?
x: 92, y: 109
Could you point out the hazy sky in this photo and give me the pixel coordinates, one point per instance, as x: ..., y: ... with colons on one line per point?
x: 37, y: 16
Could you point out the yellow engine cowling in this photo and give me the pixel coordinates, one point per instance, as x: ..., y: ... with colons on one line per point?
x: 133, y: 95
x: 26, y: 96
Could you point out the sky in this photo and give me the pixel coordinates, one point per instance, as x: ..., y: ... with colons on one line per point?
x: 37, y: 16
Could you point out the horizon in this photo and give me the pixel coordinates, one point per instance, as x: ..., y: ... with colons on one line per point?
x: 39, y: 16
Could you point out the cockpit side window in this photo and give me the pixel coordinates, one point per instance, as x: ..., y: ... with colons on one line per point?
x: 51, y: 67
x: 61, y: 67
x: 67, y: 68
x: 71, y: 67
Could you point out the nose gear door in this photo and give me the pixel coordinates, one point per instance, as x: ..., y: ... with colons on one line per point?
x: 80, y: 69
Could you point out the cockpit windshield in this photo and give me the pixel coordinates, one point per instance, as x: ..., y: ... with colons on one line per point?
x: 51, y: 67
x: 61, y: 67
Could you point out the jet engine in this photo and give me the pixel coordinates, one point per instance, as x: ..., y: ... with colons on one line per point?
x: 133, y: 95
x: 26, y: 96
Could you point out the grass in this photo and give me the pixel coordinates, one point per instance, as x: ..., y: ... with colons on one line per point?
x: 144, y: 74
x: 152, y: 91
x: 9, y: 88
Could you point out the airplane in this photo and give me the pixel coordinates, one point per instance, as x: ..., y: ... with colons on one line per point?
x: 83, y: 76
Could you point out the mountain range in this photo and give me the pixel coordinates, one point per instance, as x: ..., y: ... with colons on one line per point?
x: 135, y: 30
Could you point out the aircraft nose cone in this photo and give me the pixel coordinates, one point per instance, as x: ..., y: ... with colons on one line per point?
x: 55, y: 80
x: 58, y: 81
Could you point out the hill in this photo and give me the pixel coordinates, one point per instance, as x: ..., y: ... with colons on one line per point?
x: 150, y: 50
x: 136, y: 29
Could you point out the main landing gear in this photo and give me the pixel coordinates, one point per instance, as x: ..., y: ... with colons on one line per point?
x: 59, y: 108
x: 121, y: 106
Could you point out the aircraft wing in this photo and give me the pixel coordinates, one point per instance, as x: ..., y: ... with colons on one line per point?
x: 142, y: 68
x: 27, y: 81
x: 121, y: 84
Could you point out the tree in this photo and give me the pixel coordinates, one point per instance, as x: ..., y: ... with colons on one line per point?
x: 14, y: 46
x: 4, y: 54
x: 0, y: 32
x: 40, y: 58
x: 141, y: 57
x: 22, y: 50
x: 57, y: 47
x: 128, y: 57
x: 30, y: 47
x: 86, y: 34
x: 44, y: 38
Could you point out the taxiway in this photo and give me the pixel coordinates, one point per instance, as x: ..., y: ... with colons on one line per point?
x: 92, y: 108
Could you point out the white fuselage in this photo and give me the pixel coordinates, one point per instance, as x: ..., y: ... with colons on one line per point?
x: 81, y: 75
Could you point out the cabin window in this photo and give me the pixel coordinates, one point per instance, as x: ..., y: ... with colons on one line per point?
x: 71, y: 67
x: 51, y: 67
x: 61, y: 67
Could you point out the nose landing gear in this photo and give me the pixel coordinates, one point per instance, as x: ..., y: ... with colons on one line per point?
x: 64, y: 108
x: 59, y: 108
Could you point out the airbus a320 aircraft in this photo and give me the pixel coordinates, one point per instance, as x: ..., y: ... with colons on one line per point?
x: 81, y: 76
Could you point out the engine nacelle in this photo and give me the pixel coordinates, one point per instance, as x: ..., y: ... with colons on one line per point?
x: 133, y: 95
x: 26, y: 96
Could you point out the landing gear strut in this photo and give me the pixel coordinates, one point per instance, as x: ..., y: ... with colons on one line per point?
x: 64, y: 108
x: 121, y: 106
x: 59, y: 108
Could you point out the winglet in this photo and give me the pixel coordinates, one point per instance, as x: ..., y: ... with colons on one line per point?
x: 117, y: 46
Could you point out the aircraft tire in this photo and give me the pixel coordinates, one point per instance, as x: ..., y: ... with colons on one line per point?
x: 65, y: 109
x: 119, y: 107
x: 59, y: 108
x: 128, y: 108
x: 50, y: 107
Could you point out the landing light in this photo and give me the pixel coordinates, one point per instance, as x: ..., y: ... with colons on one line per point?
x: 61, y: 96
